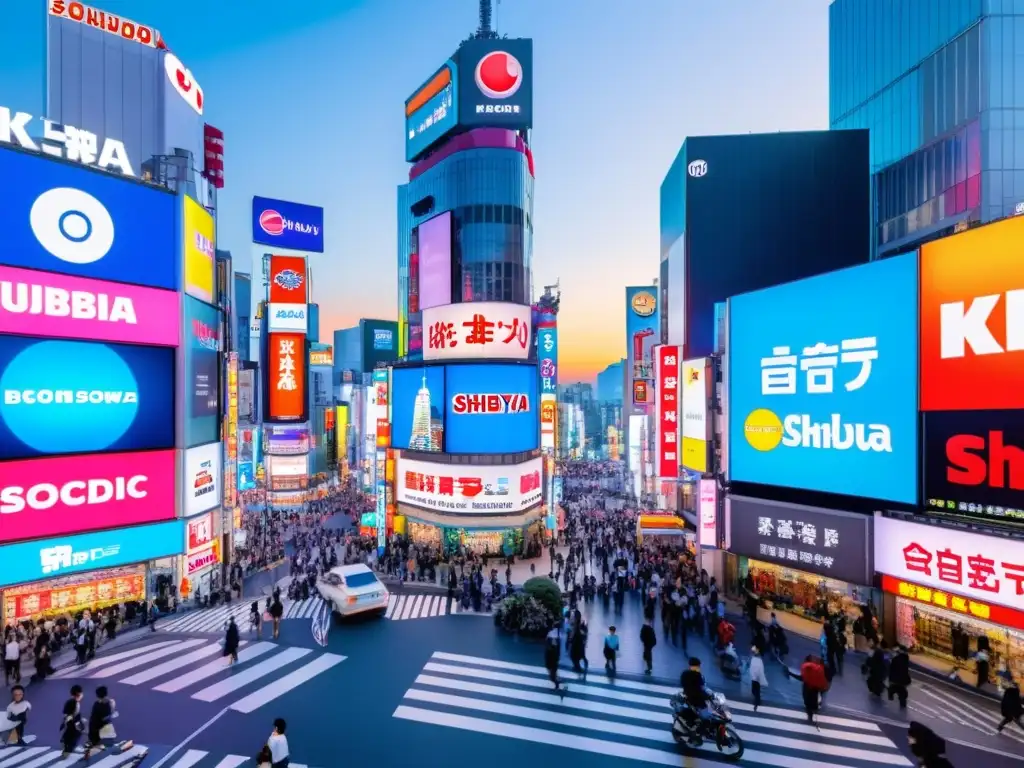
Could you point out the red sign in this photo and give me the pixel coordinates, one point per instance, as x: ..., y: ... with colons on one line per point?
x: 488, y: 403
x: 27, y: 603
x: 286, y: 371
x: 204, y: 558
x: 287, y: 280
x: 199, y: 532
x: 667, y: 392
x: 213, y: 148
x: 640, y: 395
x: 477, y: 330
x: 110, y: 23
x: 997, y: 614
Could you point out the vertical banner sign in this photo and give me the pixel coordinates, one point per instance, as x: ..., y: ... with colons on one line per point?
x: 547, y: 354
x: 383, y: 426
x: 231, y: 435
x: 667, y: 412
x: 286, y: 377
x: 643, y: 327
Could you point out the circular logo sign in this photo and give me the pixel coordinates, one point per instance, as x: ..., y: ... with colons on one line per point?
x: 763, y: 430
x: 272, y: 222
x: 499, y: 75
x: 72, y: 225
x: 644, y: 303
x: 68, y: 397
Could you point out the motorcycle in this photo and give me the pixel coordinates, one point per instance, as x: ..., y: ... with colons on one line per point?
x: 689, y: 730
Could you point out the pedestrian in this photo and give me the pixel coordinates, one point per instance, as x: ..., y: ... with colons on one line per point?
x: 81, y: 645
x: 927, y: 746
x: 17, y: 713
x: 899, y: 676
x: 552, y: 655
x: 12, y: 658
x: 648, y: 640
x: 255, y: 618
x: 278, y: 745
x: 1011, y: 707
x: 876, y: 668
x: 71, y: 726
x: 757, y: 676
x: 981, y: 660
x: 578, y: 647
x: 815, y: 683
x: 101, y: 723
x: 611, y: 650
x: 276, y: 612
x: 231, y: 641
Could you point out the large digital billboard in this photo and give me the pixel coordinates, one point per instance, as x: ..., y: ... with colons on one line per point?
x: 434, y: 275
x: 695, y: 426
x: 822, y: 383
x: 202, y: 477
x: 468, y: 489
x: 432, y: 111
x: 286, y: 377
x: 60, y: 217
x: 491, y: 408
x: 643, y: 326
x: 478, y: 330
x: 496, y: 83
x: 287, y: 281
x: 281, y: 224
x: 65, y: 397
x: 199, y: 250
x: 417, y: 408
x: 202, y: 372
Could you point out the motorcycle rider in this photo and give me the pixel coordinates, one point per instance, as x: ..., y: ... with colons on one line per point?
x: 695, y: 691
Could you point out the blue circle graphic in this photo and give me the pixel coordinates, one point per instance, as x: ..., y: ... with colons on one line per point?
x: 68, y: 397
x: 80, y: 218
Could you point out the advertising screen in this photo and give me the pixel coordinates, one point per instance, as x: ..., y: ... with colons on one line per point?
x: 246, y: 476
x: 478, y: 330
x: 286, y: 377
x: 491, y: 409
x: 666, y: 420
x: 547, y: 354
x: 417, y: 408
x: 435, y: 261
x: 707, y: 534
x: 54, y: 497
x: 287, y: 280
x: 496, y: 83
x: 288, y: 466
x: 321, y: 355
x: 63, y: 397
x: 643, y: 326
x: 202, y: 372
x: 972, y: 302
x: 432, y: 111
x: 57, y: 217
x: 199, y: 532
x: 822, y: 396
x: 281, y: 224
x: 695, y: 423
x: 61, y: 306
x: 52, y: 558
x: 198, y: 244
x: 201, y: 477
x: 466, y: 489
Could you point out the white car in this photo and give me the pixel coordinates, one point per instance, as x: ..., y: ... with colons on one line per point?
x: 352, y: 589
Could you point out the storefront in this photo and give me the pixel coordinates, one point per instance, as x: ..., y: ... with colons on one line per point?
x: 202, y: 554
x: 946, y: 590
x: 500, y: 535
x: 655, y: 528
x: 806, y: 561
x: 71, y: 595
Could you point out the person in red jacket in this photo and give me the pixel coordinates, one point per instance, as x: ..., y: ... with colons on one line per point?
x: 726, y: 633
x: 815, y: 683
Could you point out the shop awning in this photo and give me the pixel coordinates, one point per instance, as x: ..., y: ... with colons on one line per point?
x: 662, y: 525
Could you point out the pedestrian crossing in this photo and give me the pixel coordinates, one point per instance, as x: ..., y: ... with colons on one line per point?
x: 939, y: 702
x: 48, y: 757
x: 624, y: 718
x: 264, y: 671
x: 421, y: 606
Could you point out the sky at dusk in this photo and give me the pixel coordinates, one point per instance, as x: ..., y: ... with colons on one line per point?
x: 310, y: 96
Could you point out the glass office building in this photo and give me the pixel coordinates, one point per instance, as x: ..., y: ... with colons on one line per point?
x: 939, y: 86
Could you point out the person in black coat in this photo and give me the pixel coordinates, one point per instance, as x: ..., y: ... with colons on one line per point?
x: 899, y: 676
x: 648, y: 640
x: 876, y: 668
x: 231, y: 641
x: 1011, y: 707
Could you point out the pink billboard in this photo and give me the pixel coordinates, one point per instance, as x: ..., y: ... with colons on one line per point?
x: 55, y: 497
x: 60, y: 306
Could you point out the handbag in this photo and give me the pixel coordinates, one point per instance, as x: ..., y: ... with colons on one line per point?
x: 267, y: 616
x: 108, y: 732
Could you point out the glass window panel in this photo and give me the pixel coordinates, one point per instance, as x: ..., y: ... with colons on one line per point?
x: 961, y: 197
x: 974, y: 191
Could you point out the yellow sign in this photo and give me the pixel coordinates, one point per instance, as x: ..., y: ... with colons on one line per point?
x: 644, y: 303
x: 341, y: 432
x: 695, y: 454
x: 199, y: 258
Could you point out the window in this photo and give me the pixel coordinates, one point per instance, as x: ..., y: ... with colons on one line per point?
x: 356, y: 580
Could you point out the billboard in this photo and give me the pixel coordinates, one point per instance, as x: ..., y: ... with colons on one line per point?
x: 202, y: 372
x: 707, y: 512
x: 434, y: 262
x: 643, y: 326
x: 696, y: 426
x: 547, y: 355
x: 246, y: 476
x: 822, y: 396
x: 432, y: 111
x: 478, y: 330
x: 321, y: 355
x: 53, y: 558
x: 61, y: 218
x: 109, y: 23
x: 198, y: 246
x: 467, y: 489
x: 380, y: 342
x: 53, y: 305
x: 199, y: 533
x: 496, y: 83
x: 61, y: 496
x: 972, y: 302
x: 286, y: 280
x: 213, y: 154
x: 666, y: 419
x: 286, y: 377
x: 286, y: 317
x: 66, y: 397
x: 201, y: 478
x: 281, y: 224
x: 417, y: 408
x: 491, y: 409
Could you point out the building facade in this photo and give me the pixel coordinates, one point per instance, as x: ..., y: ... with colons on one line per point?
x: 609, y: 384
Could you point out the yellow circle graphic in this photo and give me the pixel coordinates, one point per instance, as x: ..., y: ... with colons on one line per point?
x: 763, y: 430
x: 644, y: 303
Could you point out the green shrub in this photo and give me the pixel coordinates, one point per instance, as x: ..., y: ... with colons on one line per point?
x: 524, y: 615
x: 546, y: 592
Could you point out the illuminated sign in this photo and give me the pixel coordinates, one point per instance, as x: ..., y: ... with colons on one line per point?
x: 183, y: 82
x: 111, y: 23
x: 287, y: 372
x: 477, y: 330
x: 66, y: 142
x: 667, y: 410
x: 1006, y: 617
x: 468, y: 488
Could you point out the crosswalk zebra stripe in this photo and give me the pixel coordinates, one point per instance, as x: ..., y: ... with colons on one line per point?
x: 287, y: 683
x: 76, y: 671
x: 146, y: 658
x: 213, y: 668
x: 249, y: 674
x: 173, y: 665
x: 977, y: 717
x: 23, y: 754
x: 47, y: 757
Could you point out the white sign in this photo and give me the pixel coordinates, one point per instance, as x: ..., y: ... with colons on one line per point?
x: 198, y: 533
x: 988, y: 569
x: 708, y: 511
x: 462, y: 488
x: 477, y: 330
x: 287, y: 466
x: 66, y: 142
x: 202, y: 559
x: 695, y: 399
x: 202, y: 478
x: 183, y: 82
x: 55, y: 559
x: 697, y: 168
x: 111, y: 23
x: 289, y: 318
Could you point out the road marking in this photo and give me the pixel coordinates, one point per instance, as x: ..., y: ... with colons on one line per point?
x: 289, y: 682
x: 250, y: 674
x: 214, y: 668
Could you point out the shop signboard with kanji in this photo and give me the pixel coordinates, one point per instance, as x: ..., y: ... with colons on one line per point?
x: 469, y: 489
x: 477, y: 330
x: 826, y: 542
x: 986, y: 568
x: 70, y: 596
x: 667, y: 411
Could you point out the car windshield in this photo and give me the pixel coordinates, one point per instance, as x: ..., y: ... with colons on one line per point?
x: 360, y: 579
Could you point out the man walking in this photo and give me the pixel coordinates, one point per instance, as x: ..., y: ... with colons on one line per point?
x: 648, y: 640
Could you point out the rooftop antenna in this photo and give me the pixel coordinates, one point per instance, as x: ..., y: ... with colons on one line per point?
x: 486, y: 29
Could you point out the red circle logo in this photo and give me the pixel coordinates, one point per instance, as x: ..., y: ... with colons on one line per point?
x: 499, y: 75
x: 272, y: 222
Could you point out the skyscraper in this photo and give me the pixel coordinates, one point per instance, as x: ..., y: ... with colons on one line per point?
x: 422, y: 435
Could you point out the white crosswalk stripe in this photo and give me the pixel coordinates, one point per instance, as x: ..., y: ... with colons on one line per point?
x: 624, y: 718
x: 48, y: 757
x: 206, y: 620
x: 264, y: 671
x: 948, y: 705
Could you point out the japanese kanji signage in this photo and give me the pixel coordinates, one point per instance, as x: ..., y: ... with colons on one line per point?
x: 547, y: 355
x: 978, y: 609
x: 477, y: 330
x: 286, y: 372
x: 833, y: 544
x: 461, y: 488
x: 668, y: 391
x: 987, y: 568
x: 64, y: 141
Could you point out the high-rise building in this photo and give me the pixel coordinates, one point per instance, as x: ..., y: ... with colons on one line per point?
x: 934, y: 82
x: 609, y: 383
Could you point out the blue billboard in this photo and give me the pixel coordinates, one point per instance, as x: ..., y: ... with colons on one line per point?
x: 547, y: 356
x: 417, y: 408
x: 65, y: 218
x: 66, y: 397
x: 643, y: 331
x: 491, y: 408
x: 496, y: 83
x: 53, y: 558
x: 246, y: 476
x: 823, y: 383
x: 202, y: 343
x: 281, y: 224
x: 432, y: 111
